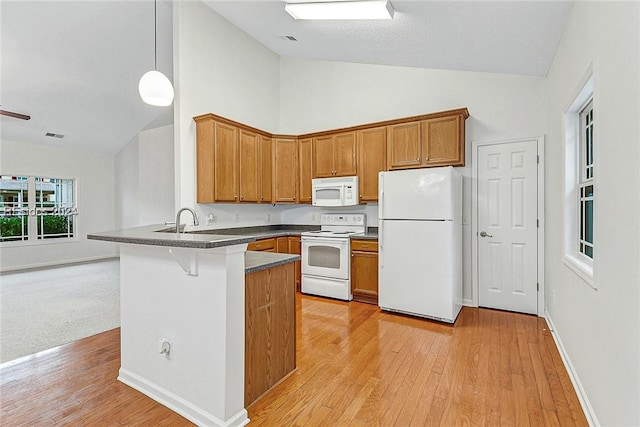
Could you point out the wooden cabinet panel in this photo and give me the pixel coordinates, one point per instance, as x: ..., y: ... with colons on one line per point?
x: 225, y: 163
x: 282, y: 245
x: 403, y: 146
x: 204, y: 160
x: 364, y: 270
x: 270, y: 329
x: 334, y: 155
x: 266, y: 170
x: 305, y: 162
x: 267, y: 245
x: 372, y: 149
x: 285, y: 164
x: 344, y: 154
x: 295, y: 247
x: 443, y: 141
x: 364, y: 245
x: 249, y: 152
x: 323, y: 156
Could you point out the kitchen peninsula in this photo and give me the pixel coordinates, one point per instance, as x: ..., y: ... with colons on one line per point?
x: 183, y: 312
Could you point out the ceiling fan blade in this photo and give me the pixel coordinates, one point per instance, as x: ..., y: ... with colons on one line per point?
x: 14, y: 115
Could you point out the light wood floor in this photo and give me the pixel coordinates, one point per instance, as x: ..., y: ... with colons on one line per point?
x: 357, y: 366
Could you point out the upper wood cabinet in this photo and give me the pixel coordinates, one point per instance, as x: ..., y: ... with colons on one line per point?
x: 233, y: 163
x: 225, y: 163
x: 334, y: 155
x: 237, y: 163
x: 305, y: 162
x: 443, y: 141
x: 285, y: 173
x: 266, y: 170
x: 372, y: 149
x: 404, y: 146
x: 250, y: 165
x: 434, y: 141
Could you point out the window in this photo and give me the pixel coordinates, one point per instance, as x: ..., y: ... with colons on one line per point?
x: 36, y: 208
x: 585, y: 182
x: 14, y: 201
x: 581, y: 130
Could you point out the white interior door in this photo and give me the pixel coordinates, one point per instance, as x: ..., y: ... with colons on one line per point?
x: 507, y: 226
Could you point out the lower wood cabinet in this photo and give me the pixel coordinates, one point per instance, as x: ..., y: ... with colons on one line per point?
x: 364, y: 270
x: 265, y: 245
x: 295, y: 247
x: 270, y: 329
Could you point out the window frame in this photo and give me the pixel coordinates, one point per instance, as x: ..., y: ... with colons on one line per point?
x: 32, y: 210
x: 583, y: 96
x: 585, y: 180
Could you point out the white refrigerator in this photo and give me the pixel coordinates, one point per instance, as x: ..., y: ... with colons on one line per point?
x: 420, y: 242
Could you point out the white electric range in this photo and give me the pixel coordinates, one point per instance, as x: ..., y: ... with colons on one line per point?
x: 326, y: 261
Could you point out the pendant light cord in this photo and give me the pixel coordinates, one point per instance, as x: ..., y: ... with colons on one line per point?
x: 155, y: 34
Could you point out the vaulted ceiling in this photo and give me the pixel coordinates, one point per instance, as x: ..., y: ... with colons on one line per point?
x: 74, y: 65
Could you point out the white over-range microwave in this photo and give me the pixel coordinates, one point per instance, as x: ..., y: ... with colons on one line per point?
x: 339, y: 191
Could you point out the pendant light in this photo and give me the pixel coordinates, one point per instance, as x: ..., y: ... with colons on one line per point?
x: 154, y: 87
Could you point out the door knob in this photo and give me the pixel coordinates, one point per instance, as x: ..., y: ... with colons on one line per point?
x: 484, y: 234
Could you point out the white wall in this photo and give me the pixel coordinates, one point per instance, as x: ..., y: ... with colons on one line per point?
x: 94, y: 174
x: 217, y: 69
x: 600, y: 330
x: 144, y: 179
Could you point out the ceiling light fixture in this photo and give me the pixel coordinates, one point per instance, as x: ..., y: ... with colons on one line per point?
x: 154, y: 87
x: 368, y: 9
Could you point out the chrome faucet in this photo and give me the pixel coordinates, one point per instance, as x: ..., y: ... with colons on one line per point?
x: 195, y: 218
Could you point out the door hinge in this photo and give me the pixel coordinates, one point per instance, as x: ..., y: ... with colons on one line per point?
x: 538, y: 159
x: 538, y: 223
x: 538, y: 287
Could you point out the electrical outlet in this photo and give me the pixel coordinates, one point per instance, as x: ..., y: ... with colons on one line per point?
x: 268, y: 217
x: 237, y: 218
x: 211, y: 219
x: 313, y: 217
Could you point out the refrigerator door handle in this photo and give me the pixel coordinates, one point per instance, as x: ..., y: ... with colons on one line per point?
x: 381, y: 245
x: 381, y: 196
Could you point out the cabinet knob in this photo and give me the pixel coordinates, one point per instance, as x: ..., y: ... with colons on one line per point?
x: 294, y: 197
x: 235, y: 197
x: 241, y: 197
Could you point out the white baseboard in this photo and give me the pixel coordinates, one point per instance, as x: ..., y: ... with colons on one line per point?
x: 468, y: 303
x: 575, y: 380
x: 177, y: 404
x: 55, y: 263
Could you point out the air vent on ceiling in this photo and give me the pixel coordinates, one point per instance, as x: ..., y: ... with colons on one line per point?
x: 291, y: 38
x: 54, y: 135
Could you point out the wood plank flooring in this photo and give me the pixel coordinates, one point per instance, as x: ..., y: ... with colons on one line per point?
x: 357, y: 366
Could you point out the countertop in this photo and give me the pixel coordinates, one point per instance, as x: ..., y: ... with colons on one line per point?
x: 256, y: 261
x: 204, y: 237
x: 154, y: 235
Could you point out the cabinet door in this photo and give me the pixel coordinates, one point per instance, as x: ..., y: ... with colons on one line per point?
x: 364, y: 276
x: 250, y: 164
x: 344, y: 154
x: 296, y: 248
x: 285, y: 165
x: 305, y: 161
x: 403, y: 146
x: 323, y: 157
x: 266, y: 171
x: 225, y: 163
x: 372, y: 149
x: 204, y: 160
x: 443, y: 141
x: 282, y: 245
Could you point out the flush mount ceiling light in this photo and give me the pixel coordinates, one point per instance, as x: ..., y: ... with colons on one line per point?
x: 368, y: 9
x: 154, y: 87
